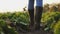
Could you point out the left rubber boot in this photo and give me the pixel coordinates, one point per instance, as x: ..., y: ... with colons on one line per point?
x: 38, y: 16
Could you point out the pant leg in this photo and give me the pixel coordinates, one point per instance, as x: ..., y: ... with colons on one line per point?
x: 39, y: 3
x: 31, y: 4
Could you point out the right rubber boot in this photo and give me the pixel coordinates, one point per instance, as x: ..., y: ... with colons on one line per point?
x: 31, y: 14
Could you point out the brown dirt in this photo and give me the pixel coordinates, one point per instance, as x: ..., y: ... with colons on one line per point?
x: 37, y: 32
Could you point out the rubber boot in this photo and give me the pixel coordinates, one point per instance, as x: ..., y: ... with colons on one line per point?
x: 38, y: 15
x: 31, y: 14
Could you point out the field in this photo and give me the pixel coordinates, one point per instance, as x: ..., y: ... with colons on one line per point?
x: 12, y: 23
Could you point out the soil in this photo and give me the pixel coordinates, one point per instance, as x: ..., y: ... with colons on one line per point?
x: 36, y: 32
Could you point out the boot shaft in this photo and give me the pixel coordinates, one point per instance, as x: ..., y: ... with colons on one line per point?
x: 37, y: 18
x: 31, y: 14
x: 38, y: 13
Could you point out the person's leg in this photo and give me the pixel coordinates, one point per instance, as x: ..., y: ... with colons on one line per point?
x: 38, y: 14
x: 31, y: 12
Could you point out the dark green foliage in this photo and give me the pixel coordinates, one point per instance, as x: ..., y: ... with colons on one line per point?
x: 20, y: 21
x: 50, y: 19
x: 18, y: 17
x: 57, y: 28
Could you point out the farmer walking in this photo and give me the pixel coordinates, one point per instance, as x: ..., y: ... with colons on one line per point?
x: 35, y: 20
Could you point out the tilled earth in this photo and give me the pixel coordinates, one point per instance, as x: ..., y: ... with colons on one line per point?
x: 36, y: 32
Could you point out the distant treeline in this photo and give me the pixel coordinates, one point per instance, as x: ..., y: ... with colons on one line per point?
x: 51, y: 7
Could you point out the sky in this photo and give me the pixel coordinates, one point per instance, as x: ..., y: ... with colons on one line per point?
x: 17, y: 5
x: 51, y: 1
x: 12, y: 5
